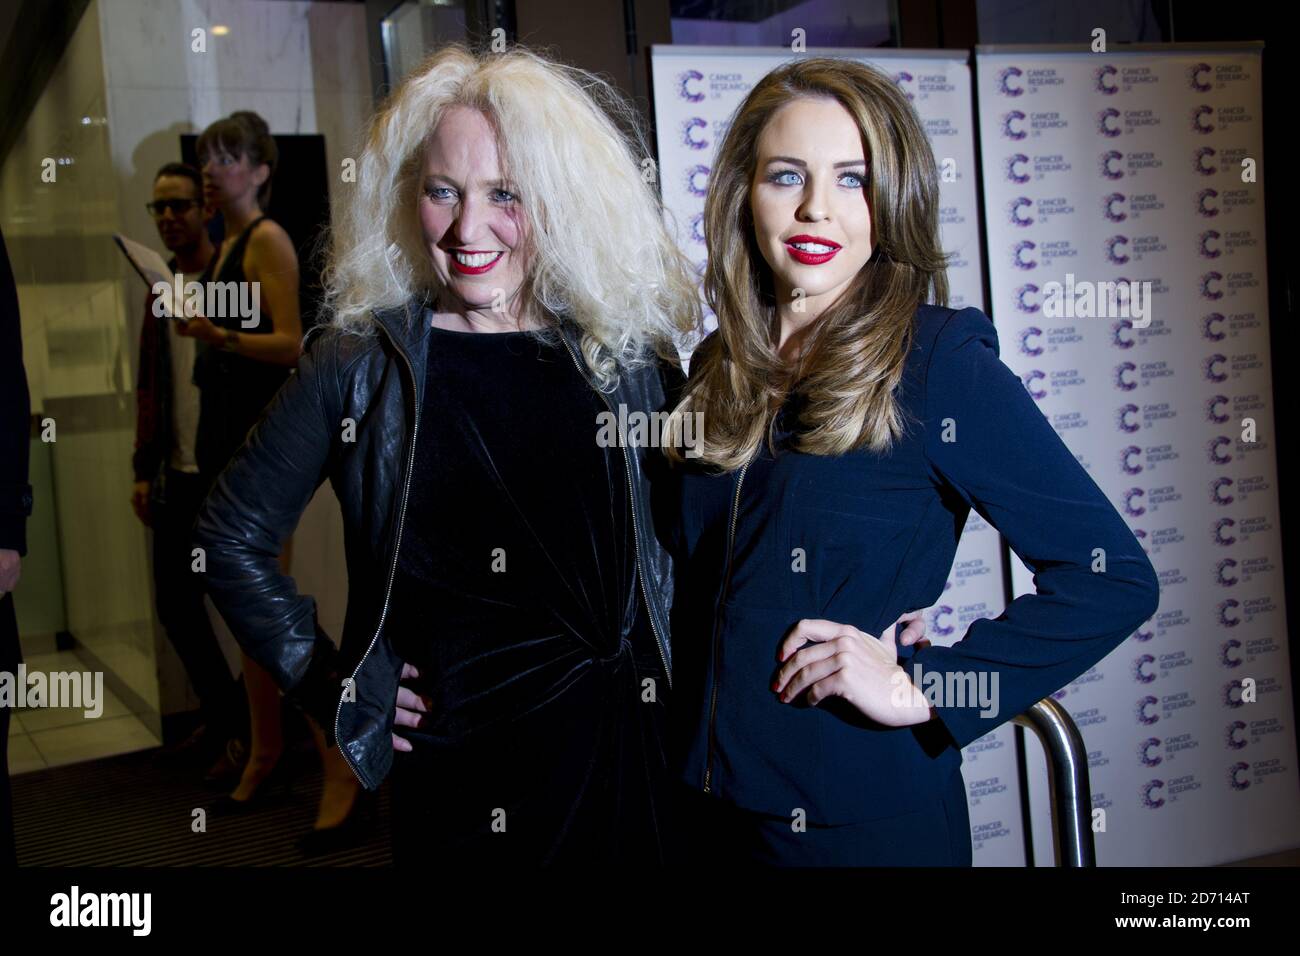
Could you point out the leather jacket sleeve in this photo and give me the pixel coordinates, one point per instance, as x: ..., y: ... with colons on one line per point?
x: 252, y: 508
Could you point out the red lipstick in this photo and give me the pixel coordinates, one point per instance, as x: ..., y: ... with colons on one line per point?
x: 811, y: 258
x: 473, y: 270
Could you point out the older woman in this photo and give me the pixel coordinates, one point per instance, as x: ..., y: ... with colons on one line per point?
x: 851, y: 422
x: 500, y: 278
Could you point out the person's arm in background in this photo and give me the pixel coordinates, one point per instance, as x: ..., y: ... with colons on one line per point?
x: 273, y: 267
x: 252, y: 508
x: 1007, y: 461
x: 147, y: 458
x: 15, y: 432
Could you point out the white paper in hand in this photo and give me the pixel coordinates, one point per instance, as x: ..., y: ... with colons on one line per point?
x: 152, y: 270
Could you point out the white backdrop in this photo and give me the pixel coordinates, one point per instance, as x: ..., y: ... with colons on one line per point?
x: 1129, y: 166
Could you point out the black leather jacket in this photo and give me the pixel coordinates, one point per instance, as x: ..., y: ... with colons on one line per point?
x: 350, y: 415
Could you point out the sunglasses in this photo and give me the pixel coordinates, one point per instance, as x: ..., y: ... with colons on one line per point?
x: 178, y: 206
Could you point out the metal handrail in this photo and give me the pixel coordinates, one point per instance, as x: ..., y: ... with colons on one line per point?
x: 1067, y: 773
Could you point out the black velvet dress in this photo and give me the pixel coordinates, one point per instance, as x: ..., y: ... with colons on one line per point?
x: 516, y: 577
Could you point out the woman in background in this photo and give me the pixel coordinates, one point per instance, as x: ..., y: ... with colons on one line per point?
x: 242, y: 363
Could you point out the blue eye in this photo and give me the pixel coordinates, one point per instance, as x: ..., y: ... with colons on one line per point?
x: 780, y: 174
x: 858, y: 180
x: 508, y: 196
x: 435, y: 192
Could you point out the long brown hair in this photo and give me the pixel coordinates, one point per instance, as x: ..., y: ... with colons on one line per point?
x: 857, y: 349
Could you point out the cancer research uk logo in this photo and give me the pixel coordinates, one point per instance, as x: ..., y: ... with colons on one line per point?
x: 1199, y: 164
x: 687, y: 87
x: 1114, y: 248
x: 1018, y: 211
x: 1113, y: 164
x: 1027, y: 345
x: 1197, y: 78
x: 694, y: 87
x: 1156, y: 792
x: 1015, y: 174
x: 1132, y: 502
x: 1009, y: 78
x: 1228, y: 656
x: 1109, y: 210
x: 1011, y: 127
x: 697, y: 180
x: 1019, y: 252
x: 941, y: 620
x: 692, y: 132
x: 1201, y: 119
x: 903, y: 80
x: 1108, y: 122
x: 1107, y: 165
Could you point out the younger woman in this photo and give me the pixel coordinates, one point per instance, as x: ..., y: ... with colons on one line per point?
x: 849, y: 427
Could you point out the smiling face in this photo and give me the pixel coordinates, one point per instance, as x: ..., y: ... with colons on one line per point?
x: 812, y: 219
x: 472, y: 221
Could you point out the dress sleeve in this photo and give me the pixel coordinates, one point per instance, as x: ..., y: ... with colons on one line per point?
x: 988, y: 441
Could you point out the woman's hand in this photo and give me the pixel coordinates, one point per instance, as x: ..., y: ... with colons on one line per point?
x: 845, y: 662
x: 410, y: 706
x: 200, y: 327
x: 140, y: 502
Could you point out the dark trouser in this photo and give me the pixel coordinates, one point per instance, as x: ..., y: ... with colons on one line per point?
x: 179, y: 593
x: 712, y: 831
x: 10, y: 655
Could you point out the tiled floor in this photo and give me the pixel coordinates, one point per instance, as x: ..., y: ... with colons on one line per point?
x: 43, y: 737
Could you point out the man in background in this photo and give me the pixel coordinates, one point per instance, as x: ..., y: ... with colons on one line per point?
x: 168, y: 487
x: 15, y: 506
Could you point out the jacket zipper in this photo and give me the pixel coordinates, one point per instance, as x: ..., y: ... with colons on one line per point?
x: 397, y: 546
x: 636, y: 538
x: 713, y: 697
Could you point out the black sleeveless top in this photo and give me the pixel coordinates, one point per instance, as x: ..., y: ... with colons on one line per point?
x: 234, y: 389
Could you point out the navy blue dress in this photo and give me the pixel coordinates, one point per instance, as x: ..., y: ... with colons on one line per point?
x: 860, y: 539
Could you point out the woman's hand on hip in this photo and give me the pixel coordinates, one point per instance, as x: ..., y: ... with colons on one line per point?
x: 843, y: 661
x: 410, y: 706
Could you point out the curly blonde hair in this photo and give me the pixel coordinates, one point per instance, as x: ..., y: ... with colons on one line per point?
x: 574, y: 149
